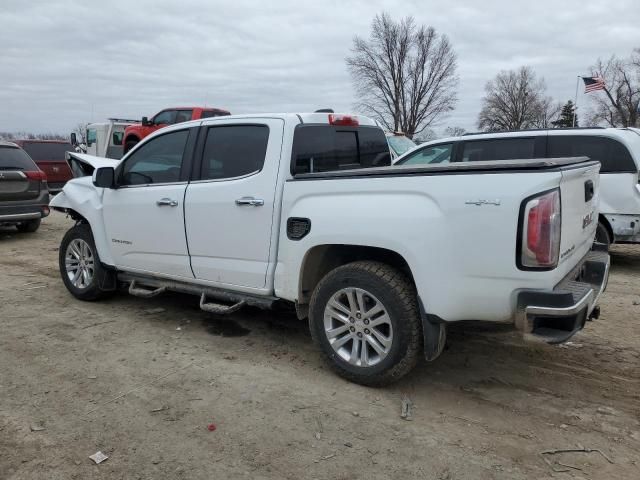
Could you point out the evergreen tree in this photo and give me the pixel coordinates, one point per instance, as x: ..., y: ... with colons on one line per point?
x: 566, y: 116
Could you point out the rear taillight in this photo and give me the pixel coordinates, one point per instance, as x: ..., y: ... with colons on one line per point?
x: 541, y: 224
x: 36, y: 175
x: 344, y: 120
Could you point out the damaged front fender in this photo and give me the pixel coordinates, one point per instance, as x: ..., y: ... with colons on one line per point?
x: 82, y: 200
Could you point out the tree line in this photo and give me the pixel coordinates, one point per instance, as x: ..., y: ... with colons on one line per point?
x: 405, y: 76
x: 9, y: 136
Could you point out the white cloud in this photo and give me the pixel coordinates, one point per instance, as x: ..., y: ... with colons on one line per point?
x: 64, y: 62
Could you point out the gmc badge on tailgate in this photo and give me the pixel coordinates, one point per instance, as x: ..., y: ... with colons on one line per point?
x: 587, y: 220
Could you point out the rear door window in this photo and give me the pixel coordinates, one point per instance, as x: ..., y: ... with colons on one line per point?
x: 167, y: 117
x: 498, y: 149
x: 12, y: 158
x: 183, y: 116
x: 234, y: 151
x: 116, y: 138
x: 433, y: 154
x: 323, y: 148
x: 613, y: 155
x: 213, y: 113
x: 47, y: 151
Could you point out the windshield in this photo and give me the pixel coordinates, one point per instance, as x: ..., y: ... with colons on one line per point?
x: 400, y: 144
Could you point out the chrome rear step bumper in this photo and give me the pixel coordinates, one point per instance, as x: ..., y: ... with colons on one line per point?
x: 555, y: 316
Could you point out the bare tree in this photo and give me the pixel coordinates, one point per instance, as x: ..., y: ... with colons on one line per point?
x: 81, y: 132
x: 404, y: 74
x: 548, y: 112
x: 618, y: 107
x: 10, y: 136
x: 514, y: 100
x: 454, y: 131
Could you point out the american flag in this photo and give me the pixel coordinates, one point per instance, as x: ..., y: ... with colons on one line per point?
x: 591, y: 84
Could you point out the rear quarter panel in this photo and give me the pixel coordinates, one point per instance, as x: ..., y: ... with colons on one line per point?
x: 462, y: 256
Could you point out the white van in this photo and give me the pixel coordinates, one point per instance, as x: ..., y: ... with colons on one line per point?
x: 617, y: 149
x: 105, y: 139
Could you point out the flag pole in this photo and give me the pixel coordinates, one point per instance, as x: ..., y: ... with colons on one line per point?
x: 575, y: 103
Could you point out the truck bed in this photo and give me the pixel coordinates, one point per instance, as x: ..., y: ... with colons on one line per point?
x: 493, y: 166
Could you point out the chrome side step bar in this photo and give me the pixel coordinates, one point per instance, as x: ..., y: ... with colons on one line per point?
x: 218, y: 308
x: 144, y: 292
x: 226, y: 301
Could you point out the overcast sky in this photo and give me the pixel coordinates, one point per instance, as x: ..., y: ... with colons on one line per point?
x: 65, y: 62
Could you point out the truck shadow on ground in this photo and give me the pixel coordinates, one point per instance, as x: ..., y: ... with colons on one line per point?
x: 625, y: 259
x: 476, y: 353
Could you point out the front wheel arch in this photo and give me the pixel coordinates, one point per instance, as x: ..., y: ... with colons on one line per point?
x: 103, y: 280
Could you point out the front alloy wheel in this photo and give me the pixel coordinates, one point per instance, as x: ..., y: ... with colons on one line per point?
x: 80, y: 268
x: 79, y: 263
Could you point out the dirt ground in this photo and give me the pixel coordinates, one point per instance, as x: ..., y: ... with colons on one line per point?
x: 140, y: 380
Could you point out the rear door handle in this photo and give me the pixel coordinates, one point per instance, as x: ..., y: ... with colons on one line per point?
x: 167, y: 202
x: 254, y: 202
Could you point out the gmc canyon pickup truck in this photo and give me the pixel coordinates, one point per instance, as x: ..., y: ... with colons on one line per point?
x: 305, y: 210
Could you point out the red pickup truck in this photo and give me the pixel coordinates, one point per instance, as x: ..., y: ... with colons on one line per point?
x: 136, y: 132
x: 49, y: 155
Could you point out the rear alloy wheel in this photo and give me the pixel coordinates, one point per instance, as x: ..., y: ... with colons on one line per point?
x: 29, y: 226
x: 80, y: 267
x: 364, y: 316
x: 358, y: 327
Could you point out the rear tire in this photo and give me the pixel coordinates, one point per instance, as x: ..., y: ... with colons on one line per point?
x: 372, y: 349
x: 602, y: 234
x: 29, y: 226
x: 80, y: 267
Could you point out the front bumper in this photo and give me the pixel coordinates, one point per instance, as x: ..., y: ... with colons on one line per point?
x: 555, y: 316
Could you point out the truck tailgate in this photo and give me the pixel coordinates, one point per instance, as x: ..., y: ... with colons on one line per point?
x: 579, y: 194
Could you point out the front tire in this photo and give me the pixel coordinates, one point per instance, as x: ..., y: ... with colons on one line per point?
x: 364, y: 317
x: 29, y: 226
x: 80, y: 267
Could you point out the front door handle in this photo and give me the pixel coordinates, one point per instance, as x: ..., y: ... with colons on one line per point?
x: 167, y: 202
x: 254, y: 202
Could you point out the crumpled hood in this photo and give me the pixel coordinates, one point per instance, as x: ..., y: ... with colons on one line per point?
x: 83, y: 165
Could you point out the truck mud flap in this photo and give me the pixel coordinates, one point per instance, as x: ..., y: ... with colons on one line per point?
x: 434, y: 332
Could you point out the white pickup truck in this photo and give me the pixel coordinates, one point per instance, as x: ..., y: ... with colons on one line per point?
x: 303, y: 209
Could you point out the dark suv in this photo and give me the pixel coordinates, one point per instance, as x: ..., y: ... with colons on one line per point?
x: 24, y: 197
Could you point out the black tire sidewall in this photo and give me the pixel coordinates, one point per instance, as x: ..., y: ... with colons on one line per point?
x: 29, y: 226
x: 352, y: 277
x: 93, y: 291
x: 601, y: 231
x: 129, y: 145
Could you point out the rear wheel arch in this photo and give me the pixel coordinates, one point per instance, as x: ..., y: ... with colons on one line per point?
x: 322, y: 259
x: 130, y: 141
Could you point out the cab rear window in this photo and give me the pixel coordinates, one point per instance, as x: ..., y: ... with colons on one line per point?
x: 324, y: 148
